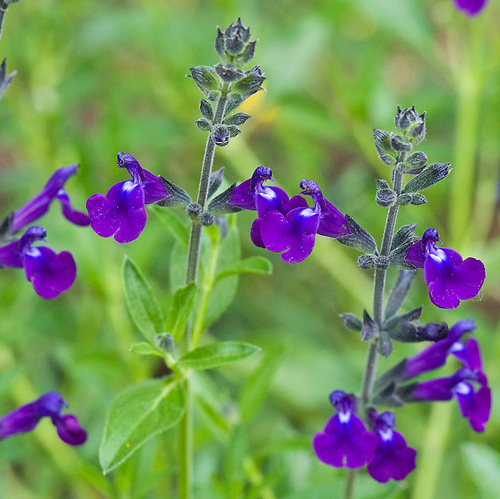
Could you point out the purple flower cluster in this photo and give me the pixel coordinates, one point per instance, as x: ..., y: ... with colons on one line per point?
x: 471, y: 7
x: 449, y: 277
x: 345, y: 441
x: 50, y: 273
x: 121, y: 212
x: 287, y: 225
x: 26, y: 418
x: 469, y: 385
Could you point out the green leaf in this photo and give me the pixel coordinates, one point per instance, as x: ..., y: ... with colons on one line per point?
x: 138, y: 413
x: 180, y: 310
x: 176, y: 226
x: 144, y: 348
x: 141, y: 302
x: 234, y: 457
x: 258, y: 383
x: 217, y: 354
x: 483, y: 464
x: 252, y: 265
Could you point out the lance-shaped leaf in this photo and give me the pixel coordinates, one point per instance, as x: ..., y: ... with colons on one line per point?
x: 144, y: 348
x: 220, y: 204
x: 138, y: 413
x: 351, y: 322
x: 206, y: 109
x: 369, y: 329
x: 217, y: 354
x: 384, y: 345
x: 215, y: 181
x: 396, y: 320
x: 251, y: 265
x: 399, y: 292
x: 359, y: 237
x: 236, y: 119
x: 141, y: 302
x: 390, y: 378
x: 401, y: 242
x: 429, y: 176
x: 176, y: 195
x: 180, y: 310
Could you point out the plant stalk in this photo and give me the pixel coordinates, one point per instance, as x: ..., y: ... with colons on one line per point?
x: 185, y: 444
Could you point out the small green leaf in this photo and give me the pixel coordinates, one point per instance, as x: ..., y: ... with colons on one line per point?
x: 141, y: 302
x: 252, y: 265
x: 180, y: 310
x: 217, y: 354
x: 144, y: 348
x: 138, y: 413
x: 177, y: 227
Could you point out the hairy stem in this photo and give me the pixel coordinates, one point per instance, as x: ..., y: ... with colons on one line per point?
x: 378, y: 313
x: 185, y: 444
x: 3, y: 10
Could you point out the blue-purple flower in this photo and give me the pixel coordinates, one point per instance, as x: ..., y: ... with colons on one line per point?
x: 39, y: 205
x: 393, y: 458
x: 471, y: 7
x: 475, y: 404
x: 50, y: 273
x: 121, y: 212
x: 25, y: 418
x: 288, y: 226
x: 449, y: 277
x: 345, y: 441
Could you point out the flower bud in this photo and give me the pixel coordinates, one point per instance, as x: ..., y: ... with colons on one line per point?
x: 416, y: 160
x: 385, y: 195
x: 411, y: 124
x: 234, y: 46
x: 193, y: 210
x: 206, y: 219
x: 220, y: 134
x: 206, y: 78
x: 384, y: 148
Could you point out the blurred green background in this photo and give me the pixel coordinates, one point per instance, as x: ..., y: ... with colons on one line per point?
x: 95, y: 78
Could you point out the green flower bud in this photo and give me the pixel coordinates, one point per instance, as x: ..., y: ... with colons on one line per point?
x: 206, y: 78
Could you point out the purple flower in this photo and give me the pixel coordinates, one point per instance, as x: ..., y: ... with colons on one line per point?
x: 471, y: 7
x: 474, y: 405
x: 122, y: 212
x: 449, y: 277
x: 345, y: 441
x: 50, y: 273
x: 393, y: 458
x: 26, y: 417
x: 39, y: 205
x: 288, y: 226
x: 435, y: 355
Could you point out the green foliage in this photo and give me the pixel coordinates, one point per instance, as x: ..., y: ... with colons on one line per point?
x: 180, y: 310
x: 141, y: 302
x: 138, y: 413
x: 217, y: 354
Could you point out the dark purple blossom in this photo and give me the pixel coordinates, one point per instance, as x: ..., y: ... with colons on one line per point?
x: 122, y: 211
x: 39, y: 205
x: 26, y: 417
x: 435, y: 355
x: 475, y: 405
x: 288, y: 226
x: 345, y: 441
x: 50, y: 273
x: 471, y: 7
x: 393, y: 458
x: 449, y: 277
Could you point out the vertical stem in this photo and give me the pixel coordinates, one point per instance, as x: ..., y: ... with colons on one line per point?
x: 3, y: 10
x: 185, y: 444
x: 378, y: 312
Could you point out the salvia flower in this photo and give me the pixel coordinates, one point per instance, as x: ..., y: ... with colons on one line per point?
x: 475, y: 405
x: 470, y: 7
x: 345, y: 441
x: 393, y: 458
x: 39, y: 205
x: 449, y: 277
x: 288, y: 226
x: 50, y: 273
x: 121, y: 212
x: 435, y: 355
x: 25, y: 418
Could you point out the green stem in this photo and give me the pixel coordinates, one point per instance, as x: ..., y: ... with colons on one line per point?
x: 3, y: 10
x: 185, y: 444
x: 378, y: 312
